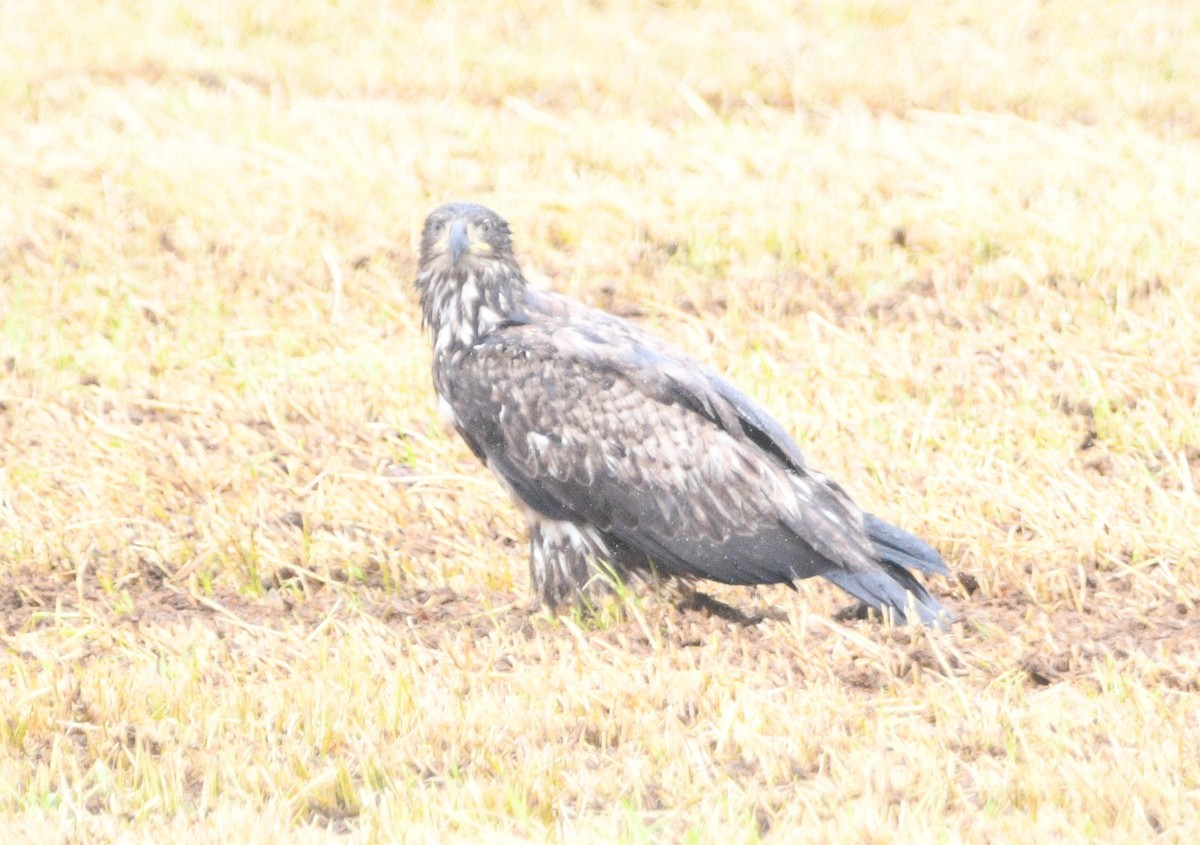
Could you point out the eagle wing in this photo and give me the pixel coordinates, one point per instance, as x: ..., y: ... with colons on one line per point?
x: 589, y: 420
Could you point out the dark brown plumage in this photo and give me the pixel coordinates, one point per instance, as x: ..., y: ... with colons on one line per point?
x: 625, y: 455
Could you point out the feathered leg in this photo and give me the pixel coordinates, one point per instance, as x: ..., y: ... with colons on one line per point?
x: 566, y: 562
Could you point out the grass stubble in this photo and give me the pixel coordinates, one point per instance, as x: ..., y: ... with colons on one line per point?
x: 250, y: 591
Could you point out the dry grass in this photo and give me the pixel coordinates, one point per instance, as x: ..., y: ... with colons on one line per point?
x: 249, y: 590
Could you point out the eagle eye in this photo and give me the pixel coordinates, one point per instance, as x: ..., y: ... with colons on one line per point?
x: 436, y: 226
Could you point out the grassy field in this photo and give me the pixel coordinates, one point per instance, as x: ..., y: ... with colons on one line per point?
x: 251, y: 590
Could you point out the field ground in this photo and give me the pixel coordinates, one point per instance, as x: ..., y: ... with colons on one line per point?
x: 250, y: 590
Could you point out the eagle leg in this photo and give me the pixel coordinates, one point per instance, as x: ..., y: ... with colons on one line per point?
x: 567, y: 562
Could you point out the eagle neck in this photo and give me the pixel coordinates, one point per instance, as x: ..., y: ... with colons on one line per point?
x: 460, y: 307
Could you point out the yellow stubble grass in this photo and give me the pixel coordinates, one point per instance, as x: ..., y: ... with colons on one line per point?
x: 251, y: 591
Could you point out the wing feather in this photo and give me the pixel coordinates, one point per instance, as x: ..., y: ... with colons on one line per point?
x: 647, y: 447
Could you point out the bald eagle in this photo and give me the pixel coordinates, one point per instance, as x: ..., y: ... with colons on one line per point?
x: 627, y: 457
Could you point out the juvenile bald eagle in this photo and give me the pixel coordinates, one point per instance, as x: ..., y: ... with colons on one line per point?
x: 624, y: 454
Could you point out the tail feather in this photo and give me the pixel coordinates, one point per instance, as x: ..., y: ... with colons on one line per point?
x: 891, y: 584
x: 890, y: 587
x: 895, y: 545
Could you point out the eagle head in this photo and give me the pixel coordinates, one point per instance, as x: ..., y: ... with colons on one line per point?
x: 463, y: 235
x: 468, y: 279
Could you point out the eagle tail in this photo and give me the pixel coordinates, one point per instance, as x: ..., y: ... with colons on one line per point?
x: 891, y: 584
x: 896, y: 546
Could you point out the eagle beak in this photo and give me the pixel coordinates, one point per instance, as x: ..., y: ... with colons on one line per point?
x: 459, y: 240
